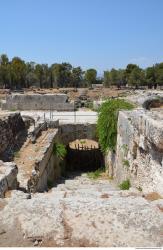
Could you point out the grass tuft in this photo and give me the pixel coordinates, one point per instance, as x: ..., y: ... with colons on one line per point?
x: 125, y: 185
x: 96, y: 174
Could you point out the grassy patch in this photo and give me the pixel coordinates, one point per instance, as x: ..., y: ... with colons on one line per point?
x: 13, y: 109
x: 96, y: 174
x: 59, y: 150
x: 125, y: 185
x: 82, y: 141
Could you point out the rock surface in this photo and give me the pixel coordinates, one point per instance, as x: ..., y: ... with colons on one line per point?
x: 139, y: 152
x: 81, y: 212
x: 8, y: 177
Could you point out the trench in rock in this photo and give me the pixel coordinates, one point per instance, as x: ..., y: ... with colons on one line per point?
x: 83, y: 156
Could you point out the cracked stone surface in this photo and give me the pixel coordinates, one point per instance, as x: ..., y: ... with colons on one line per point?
x: 81, y: 212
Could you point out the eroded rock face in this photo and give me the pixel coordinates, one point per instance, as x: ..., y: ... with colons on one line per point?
x: 8, y: 177
x: 10, y: 126
x: 139, y: 152
x: 84, y: 212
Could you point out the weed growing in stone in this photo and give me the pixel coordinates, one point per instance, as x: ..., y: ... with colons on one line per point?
x: 96, y: 174
x: 126, y: 164
x: 59, y: 150
x: 125, y: 185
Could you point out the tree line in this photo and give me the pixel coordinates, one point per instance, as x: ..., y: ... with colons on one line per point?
x: 135, y: 76
x: 17, y: 74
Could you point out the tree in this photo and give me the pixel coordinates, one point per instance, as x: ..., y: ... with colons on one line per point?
x: 61, y: 74
x: 150, y: 74
x: 76, y: 76
x: 90, y: 76
x: 107, y: 80
x: 31, y: 77
x: 159, y: 74
x: 4, y: 70
x: 114, y: 76
x: 136, y: 77
x: 18, y: 72
x: 39, y: 74
x: 130, y: 67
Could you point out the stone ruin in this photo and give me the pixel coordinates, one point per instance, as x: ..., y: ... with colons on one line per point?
x: 139, y: 152
x: 34, y: 162
x: 10, y: 127
x: 57, y: 102
x: 127, y: 217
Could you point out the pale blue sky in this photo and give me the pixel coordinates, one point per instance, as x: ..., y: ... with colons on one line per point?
x: 91, y: 33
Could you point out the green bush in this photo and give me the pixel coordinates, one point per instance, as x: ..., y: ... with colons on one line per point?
x: 59, y: 150
x: 107, y: 122
x: 125, y: 185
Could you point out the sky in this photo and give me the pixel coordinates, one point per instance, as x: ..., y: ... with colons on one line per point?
x: 99, y: 34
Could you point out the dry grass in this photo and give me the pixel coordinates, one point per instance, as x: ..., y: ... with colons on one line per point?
x: 153, y: 196
x: 8, y: 194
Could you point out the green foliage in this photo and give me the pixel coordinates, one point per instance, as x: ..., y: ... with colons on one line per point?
x: 90, y: 76
x: 107, y: 122
x: 89, y: 105
x: 114, y: 77
x: 125, y: 185
x: 59, y: 150
x: 16, y: 74
x: 96, y: 174
x: 136, y: 77
x: 13, y: 109
x: 126, y: 163
x: 82, y: 141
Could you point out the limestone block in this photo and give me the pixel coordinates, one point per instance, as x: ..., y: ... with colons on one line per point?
x: 8, y: 176
x: 139, y: 150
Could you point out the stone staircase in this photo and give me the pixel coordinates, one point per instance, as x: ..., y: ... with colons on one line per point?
x: 79, y: 211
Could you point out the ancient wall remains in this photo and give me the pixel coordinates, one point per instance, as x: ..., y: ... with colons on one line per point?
x: 71, y: 132
x: 57, y: 102
x: 139, y: 152
x: 48, y: 167
x: 10, y: 126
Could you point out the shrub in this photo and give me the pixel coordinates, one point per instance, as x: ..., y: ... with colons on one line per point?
x: 59, y: 150
x: 107, y: 122
x: 125, y: 185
